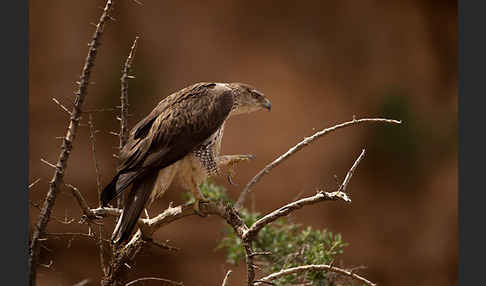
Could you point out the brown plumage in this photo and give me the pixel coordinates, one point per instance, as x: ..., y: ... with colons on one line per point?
x: 180, y: 139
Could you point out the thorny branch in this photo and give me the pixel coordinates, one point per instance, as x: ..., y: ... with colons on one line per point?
x: 300, y: 146
x: 228, y: 213
x: 92, y: 132
x: 123, y: 134
x: 124, y: 95
x: 248, y: 234
x: 66, y: 147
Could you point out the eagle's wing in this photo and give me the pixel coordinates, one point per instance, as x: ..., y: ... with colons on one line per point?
x: 180, y: 122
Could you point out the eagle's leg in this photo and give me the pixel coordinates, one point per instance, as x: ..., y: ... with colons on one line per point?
x: 199, y: 199
x: 231, y: 161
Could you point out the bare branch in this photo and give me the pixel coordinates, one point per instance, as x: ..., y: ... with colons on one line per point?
x: 83, y: 282
x: 92, y: 139
x: 154, y: 278
x: 66, y: 148
x: 61, y: 106
x: 123, y: 134
x: 48, y: 163
x: 300, y: 146
x: 350, y: 173
x: 124, y: 95
x: 226, y: 278
x: 250, y: 266
x: 322, y: 267
x: 81, y: 201
x: 34, y: 183
x: 288, y: 208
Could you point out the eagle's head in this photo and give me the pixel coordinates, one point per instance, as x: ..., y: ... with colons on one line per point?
x: 247, y: 99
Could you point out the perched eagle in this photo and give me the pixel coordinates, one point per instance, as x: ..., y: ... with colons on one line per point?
x: 179, y: 140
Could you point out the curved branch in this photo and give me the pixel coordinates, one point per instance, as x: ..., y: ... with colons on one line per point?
x: 156, y: 279
x: 321, y: 267
x: 288, y: 208
x: 226, y: 278
x: 300, y: 146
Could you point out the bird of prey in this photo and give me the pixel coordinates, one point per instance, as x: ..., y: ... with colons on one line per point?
x: 179, y: 140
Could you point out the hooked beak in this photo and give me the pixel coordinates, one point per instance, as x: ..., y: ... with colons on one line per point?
x: 267, y: 104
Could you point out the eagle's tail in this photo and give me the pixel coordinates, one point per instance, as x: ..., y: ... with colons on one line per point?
x: 134, y: 204
x: 117, y: 185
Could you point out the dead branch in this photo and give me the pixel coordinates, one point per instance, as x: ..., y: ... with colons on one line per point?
x: 64, y: 108
x: 124, y: 94
x: 92, y: 139
x: 285, y: 210
x: 83, y: 282
x: 322, y: 267
x: 319, y: 197
x: 66, y: 147
x: 350, y: 173
x: 123, y: 134
x: 226, y: 278
x: 165, y: 281
x: 300, y: 146
x: 81, y: 201
x: 31, y: 185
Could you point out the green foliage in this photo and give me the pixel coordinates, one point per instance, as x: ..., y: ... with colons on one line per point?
x: 290, y: 244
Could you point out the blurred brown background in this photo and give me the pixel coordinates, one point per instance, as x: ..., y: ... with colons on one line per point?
x: 320, y: 63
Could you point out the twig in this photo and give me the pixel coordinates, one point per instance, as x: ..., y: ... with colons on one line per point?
x: 72, y: 235
x: 169, y: 282
x: 34, y: 183
x: 66, y: 148
x: 164, y: 245
x: 226, y: 278
x: 48, y: 163
x: 124, y: 94
x: 285, y: 210
x: 92, y: 139
x: 81, y: 201
x: 123, y: 134
x: 83, y: 282
x: 350, y: 173
x: 298, y: 147
x: 322, y: 267
x: 61, y: 106
x: 319, y: 197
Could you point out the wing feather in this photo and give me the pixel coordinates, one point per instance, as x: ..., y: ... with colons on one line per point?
x: 178, y: 124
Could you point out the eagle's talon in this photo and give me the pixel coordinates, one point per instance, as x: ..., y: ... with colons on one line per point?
x: 197, y: 208
x: 230, y: 180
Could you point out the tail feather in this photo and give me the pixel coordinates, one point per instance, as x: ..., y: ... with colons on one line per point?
x: 134, y: 204
x: 117, y: 185
x: 109, y: 192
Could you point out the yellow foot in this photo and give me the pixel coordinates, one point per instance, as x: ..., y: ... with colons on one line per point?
x: 197, y: 208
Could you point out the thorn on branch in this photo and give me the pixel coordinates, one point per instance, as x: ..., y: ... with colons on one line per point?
x: 61, y: 106
x: 47, y: 265
x: 48, y: 164
x: 34, y: 183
